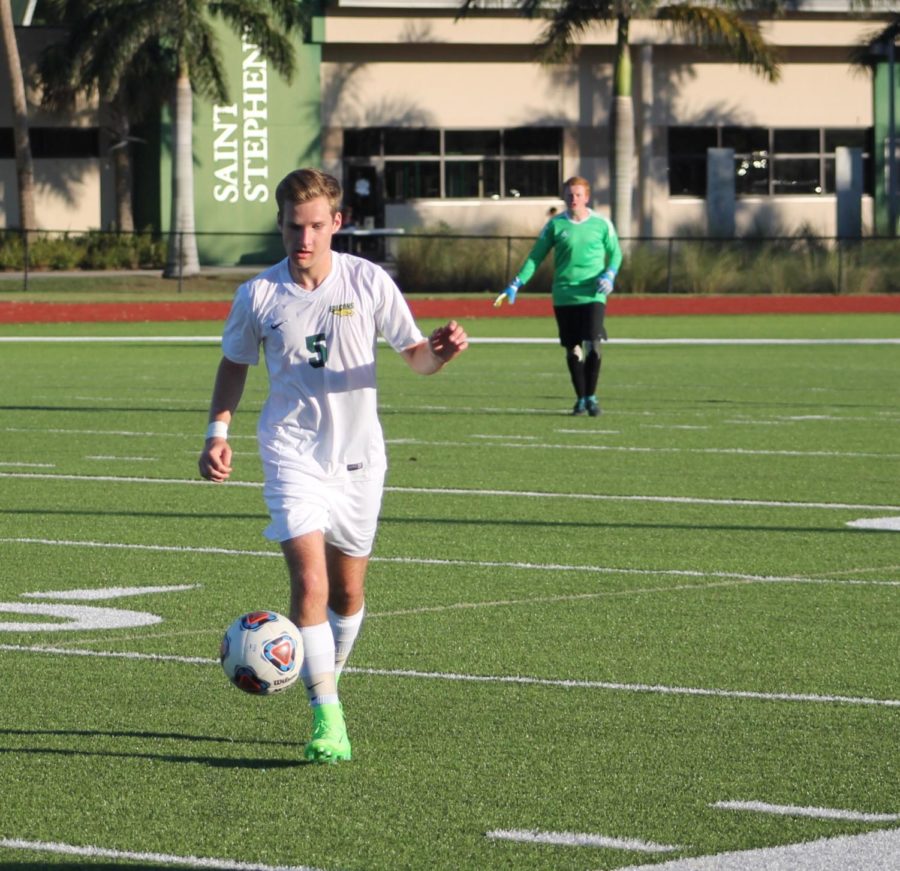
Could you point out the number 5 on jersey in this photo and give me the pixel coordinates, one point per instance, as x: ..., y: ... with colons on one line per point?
x: 316, y: 345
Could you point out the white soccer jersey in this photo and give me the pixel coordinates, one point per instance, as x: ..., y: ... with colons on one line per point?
x: 319, y: 349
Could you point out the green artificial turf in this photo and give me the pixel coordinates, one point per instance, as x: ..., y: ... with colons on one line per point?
x: 597, y: 626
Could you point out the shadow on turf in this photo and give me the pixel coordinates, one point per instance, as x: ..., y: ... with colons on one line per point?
x: 212, y: 761
x: 173, y: 736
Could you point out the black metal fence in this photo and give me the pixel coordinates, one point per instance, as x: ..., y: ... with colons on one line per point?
x: 445, y: 262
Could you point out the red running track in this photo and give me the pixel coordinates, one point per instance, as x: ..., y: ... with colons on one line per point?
x: 463, y: 307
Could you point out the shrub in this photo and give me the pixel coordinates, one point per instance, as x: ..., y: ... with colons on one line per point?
x: 12, y: 252
x: 55, y: 252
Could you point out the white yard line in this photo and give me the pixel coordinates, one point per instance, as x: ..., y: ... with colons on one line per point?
x: 610, y: 686
x: 576, y: 839
x: 817, y: 813
x: 146, y: 858
x: 473, y: 340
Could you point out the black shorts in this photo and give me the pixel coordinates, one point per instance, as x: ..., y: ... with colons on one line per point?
x: 580, y: 323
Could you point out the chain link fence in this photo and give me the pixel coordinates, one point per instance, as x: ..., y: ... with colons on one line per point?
x: 446, y: 262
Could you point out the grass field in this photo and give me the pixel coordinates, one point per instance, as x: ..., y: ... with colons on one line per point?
x: 659, y: 635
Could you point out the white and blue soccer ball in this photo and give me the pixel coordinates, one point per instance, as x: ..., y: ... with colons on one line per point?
x: 262, y: 652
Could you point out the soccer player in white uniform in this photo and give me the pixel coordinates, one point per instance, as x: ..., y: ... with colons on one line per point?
x: 317, y: 315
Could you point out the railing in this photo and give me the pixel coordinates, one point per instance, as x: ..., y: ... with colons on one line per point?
x: 466, y: 263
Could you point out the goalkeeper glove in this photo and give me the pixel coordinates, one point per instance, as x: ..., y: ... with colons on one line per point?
x: 605, y: 283
x: 509, y: 293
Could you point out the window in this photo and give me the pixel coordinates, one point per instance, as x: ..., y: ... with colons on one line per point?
x: 50, y: 142
x: 454, y: 164
x: 768, y: 161
x: 411, y: 179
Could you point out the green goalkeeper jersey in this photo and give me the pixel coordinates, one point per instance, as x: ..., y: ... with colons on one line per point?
x: 582, y: 250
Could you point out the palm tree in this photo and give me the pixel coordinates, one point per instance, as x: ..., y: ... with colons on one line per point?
x: 71, y: 67
x: 180, y: 36
x: 724, y: 25
x: 24, y: 164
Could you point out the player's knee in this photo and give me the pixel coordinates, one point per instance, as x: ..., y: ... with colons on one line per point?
x: 592, y: 348
x: 575, y: 353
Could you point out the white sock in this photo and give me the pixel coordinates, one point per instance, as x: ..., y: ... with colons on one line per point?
x: 318, y: 664
x: 344, y: 630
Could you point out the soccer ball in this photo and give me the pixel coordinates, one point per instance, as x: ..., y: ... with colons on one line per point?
x: 262, y: 653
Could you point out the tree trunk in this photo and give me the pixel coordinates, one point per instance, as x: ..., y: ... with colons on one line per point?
x: 183, y: 259
x: 622, y: 187
x: 120, y: 152
x: 24, y: 164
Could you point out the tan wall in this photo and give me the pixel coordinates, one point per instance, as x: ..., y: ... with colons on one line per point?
x: 69, y: 194
x: 809, y: 94
x: 788, y: 215
x: 456, y: 93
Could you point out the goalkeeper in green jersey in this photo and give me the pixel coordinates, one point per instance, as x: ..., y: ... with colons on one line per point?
x: 586, y: 257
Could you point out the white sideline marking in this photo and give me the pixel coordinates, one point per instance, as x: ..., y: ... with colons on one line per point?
x: 483, y: 340
x: 630, y: 687
x: 160, y: 858
x: 819, y: 813
x: 890, y: 524
x: 633, y: 449
x: 575, y: 839
x: 427, y: 561
x: 501, y: 679
x: 460, y: 491
x: 873, y: 851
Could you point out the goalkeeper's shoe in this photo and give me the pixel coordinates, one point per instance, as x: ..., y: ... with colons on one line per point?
x: 580, y: 407
x: 593, y: 407
x: 329, y: 742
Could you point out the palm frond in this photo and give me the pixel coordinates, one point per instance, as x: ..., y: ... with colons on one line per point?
x: 569, y: 20
x: 720, y: 28
x: 869, y: 52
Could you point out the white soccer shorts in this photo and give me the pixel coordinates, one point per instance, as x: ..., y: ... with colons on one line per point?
x: 344, y: 509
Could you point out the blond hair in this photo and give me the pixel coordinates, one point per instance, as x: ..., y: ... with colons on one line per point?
x: 303, y: 185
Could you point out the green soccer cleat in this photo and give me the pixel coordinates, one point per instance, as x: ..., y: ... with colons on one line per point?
x: 329, y: 742
x: 579, y: 408
x: 593, y: 407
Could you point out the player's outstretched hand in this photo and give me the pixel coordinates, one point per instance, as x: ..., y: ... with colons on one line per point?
x: 448, y: 341
x: 509, y: 293
x: 215, y: 461
x: 605, y: 282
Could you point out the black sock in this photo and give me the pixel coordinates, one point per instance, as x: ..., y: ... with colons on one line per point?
x: 591, y: 373
x: 576, y: 370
